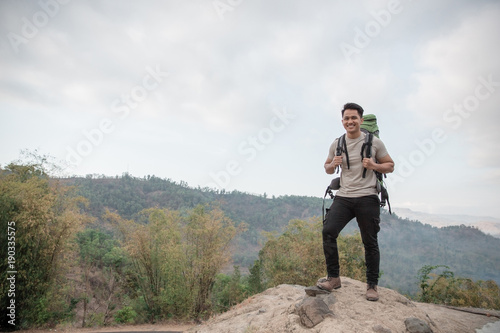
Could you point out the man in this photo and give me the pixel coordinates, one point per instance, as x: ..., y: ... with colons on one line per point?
x: 357, y: 197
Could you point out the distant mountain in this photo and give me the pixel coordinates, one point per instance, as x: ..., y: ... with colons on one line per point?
x: 488, y: 225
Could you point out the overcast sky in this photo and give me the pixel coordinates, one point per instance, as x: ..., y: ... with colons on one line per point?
x: 246, y: 94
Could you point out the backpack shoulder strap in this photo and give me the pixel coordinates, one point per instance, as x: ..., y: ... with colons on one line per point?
x: 340, y: 145
x: 366, y: 149
x: 342, y: 148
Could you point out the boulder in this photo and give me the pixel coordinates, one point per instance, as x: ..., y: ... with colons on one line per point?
x: 312, y: 311
x: 415, y: 325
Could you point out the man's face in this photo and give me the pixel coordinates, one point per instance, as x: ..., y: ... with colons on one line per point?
x: 351, y: 121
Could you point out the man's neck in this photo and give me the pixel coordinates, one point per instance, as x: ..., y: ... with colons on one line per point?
x: 354, y: 135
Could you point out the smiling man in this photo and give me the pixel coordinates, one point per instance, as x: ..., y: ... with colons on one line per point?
x: 357, y: 198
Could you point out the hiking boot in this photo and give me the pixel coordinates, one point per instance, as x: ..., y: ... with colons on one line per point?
x: 371, y: 292
x: 329, y: 283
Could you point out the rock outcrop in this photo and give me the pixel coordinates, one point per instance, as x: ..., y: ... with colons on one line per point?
x: 288, y: 308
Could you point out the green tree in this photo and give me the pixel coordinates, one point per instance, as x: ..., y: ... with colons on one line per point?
x: 256, y: 279
x: 477, y: 294
x: 445, y: 288
x: 228, y: 291
x: 156, y: 255
x: 428, y: 282
x: 176, y: 258
x: 45, y: 216
x: 101, y: 262
x: 209, y: 234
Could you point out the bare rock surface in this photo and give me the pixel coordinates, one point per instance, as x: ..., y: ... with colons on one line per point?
x: 287, y: 308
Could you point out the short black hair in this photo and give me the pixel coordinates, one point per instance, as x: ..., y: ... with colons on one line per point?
x: 353, y: 106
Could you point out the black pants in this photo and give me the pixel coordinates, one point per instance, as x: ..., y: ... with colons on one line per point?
x: 366, y: 210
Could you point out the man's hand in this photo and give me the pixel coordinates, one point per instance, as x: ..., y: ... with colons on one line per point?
x: 369, y: 164
x: 337, y: 160
x: 384, y: 165
x: 332, y: 164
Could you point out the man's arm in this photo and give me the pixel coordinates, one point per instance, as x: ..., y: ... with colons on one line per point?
x: 384, y: 165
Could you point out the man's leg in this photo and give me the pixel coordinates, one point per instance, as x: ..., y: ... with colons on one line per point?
x: 339, y: 215
x: 368, y: 217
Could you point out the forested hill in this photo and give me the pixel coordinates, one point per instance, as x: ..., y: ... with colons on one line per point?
x: 406, y: 245
x: 129, y: 195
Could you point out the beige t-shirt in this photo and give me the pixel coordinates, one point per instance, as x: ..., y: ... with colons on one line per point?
x: 352, y: 183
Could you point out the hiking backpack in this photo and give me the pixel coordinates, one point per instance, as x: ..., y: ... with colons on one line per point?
x: 370, y: 127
